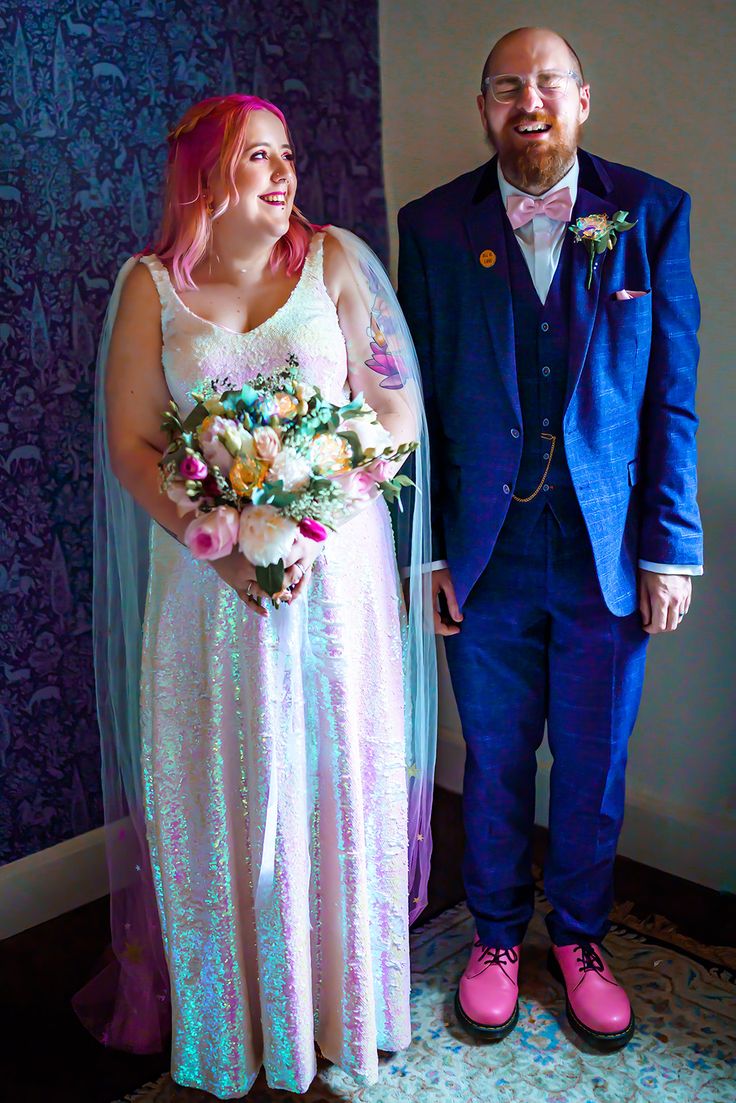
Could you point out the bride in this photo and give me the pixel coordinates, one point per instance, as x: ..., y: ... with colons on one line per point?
x: 267, y: 771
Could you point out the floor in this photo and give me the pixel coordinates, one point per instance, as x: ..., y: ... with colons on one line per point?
x: 48, y: 1058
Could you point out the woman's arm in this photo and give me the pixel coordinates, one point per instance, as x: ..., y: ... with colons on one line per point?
x: 136, y: 396
x: 369, y: 347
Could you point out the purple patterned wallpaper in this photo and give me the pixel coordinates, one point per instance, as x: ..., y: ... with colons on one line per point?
x: 87, y: 93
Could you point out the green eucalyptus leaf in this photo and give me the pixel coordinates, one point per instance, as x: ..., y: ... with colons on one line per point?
x: 195, y: 418
x: 271, y: 578
x: 354, y: 441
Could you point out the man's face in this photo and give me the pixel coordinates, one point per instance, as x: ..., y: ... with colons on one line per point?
x: 534, y: 160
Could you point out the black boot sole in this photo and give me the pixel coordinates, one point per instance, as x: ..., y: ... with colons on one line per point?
x: 480, y: 1030
x: 605, y: 1042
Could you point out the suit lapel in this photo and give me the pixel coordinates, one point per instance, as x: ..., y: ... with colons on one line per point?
x: 485, y: 228
x: 583, y: 302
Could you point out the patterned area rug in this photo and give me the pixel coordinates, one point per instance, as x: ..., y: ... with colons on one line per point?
x: 684, y: 1050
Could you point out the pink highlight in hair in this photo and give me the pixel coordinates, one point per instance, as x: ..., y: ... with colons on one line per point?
x: 212, y: 135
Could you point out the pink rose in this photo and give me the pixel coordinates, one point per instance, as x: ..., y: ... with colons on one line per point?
x: 212, y: 535
x: 379, y: 469
x: 313, y: 530
x: 209, y: 440
x: 192, y: 467
x: 358, y: 484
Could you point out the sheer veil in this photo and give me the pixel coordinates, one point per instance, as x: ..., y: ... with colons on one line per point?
x: 414, y: 552
x: 127, y: 1005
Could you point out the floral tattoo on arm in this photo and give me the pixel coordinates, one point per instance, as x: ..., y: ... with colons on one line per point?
x: 380, y: 328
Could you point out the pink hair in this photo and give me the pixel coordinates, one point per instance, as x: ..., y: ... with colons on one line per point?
x: 212, y: 135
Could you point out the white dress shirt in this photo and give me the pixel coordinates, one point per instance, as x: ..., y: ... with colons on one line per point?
x: 542, y: 237
x: 541, y: 241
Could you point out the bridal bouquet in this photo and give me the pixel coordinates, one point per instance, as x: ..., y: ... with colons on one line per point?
x: 258, y: 465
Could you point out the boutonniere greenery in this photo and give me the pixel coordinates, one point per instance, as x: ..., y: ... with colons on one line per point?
x: 598, y: 233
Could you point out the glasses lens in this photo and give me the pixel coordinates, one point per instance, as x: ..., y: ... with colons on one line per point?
x: 551, y: 83
x: 506, y: 87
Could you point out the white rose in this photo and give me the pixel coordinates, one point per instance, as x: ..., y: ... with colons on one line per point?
x: 265, y: 536
x: 293, y: 470
x: 369, y: 432
x: 240, y: 441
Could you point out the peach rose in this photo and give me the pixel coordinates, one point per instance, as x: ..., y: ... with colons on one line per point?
x: 267, y: 443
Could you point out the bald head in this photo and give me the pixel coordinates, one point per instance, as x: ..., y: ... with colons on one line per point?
x: 530, y: 37
x: 534, y: 158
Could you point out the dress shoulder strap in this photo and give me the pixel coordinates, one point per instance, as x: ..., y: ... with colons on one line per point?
x: 314, y: 262
x: 172, y: 308
x: 161, y: 278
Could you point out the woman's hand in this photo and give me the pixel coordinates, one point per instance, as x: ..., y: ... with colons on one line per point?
x: 299, y: 564
x: 239, y: 572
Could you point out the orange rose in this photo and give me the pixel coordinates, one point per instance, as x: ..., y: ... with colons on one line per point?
x: 247, y: 475
x: 330, y: 454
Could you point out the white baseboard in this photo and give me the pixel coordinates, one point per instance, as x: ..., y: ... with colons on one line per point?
x: 656, y: 832
x: 52, y: 881
x: 699, y: 848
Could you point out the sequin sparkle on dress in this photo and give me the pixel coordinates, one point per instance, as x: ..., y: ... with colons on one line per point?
x: 323, y: 958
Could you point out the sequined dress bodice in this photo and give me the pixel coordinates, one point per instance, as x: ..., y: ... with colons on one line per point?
x: 201, y: 356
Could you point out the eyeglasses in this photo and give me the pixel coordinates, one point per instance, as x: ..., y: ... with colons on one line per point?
x: 550, y: 84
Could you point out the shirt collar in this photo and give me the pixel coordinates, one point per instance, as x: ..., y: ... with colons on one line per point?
x: 569, y: 180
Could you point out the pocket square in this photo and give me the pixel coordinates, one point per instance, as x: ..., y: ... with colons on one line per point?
x: 624, y: 294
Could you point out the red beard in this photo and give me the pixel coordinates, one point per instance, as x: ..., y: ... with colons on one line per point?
x: 539, y: 166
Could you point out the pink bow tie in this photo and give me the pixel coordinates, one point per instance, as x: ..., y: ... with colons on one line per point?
x: 522, y: 208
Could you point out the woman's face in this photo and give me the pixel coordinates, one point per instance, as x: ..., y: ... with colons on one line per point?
x: 265, y: 179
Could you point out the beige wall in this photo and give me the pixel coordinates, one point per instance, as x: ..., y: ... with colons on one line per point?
x: 662, y: 77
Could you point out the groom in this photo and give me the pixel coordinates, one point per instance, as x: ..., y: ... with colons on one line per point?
x: 562, y: 430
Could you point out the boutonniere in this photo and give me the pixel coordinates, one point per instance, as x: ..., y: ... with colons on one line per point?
x: 598, y: 233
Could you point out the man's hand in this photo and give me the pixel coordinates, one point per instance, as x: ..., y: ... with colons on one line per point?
x: 447, y: 615
x: 663, y: 600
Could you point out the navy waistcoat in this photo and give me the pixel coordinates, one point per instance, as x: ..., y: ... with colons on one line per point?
x: 542, y: 346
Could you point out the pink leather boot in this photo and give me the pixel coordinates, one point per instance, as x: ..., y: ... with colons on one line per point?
x: 597, y: 1006
x: 487, y: 999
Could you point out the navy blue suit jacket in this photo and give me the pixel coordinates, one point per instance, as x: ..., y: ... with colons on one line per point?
x: 630, y: 422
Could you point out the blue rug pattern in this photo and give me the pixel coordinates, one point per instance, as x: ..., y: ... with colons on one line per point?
x: 684, y: 1049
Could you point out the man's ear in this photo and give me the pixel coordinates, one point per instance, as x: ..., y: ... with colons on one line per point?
x: 584, y: 103
x: 480, y: 100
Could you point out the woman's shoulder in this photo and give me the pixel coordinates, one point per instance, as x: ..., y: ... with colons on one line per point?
x: 341, y: 249
x: 140, y: 290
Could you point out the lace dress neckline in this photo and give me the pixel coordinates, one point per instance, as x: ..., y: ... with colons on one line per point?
x: 309, y: 260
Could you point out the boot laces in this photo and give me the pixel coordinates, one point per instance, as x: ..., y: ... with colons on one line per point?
x: 590, y: 960
x: 495, y: 955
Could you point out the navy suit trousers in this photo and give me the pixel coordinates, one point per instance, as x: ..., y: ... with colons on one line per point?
x: 537, y: 645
